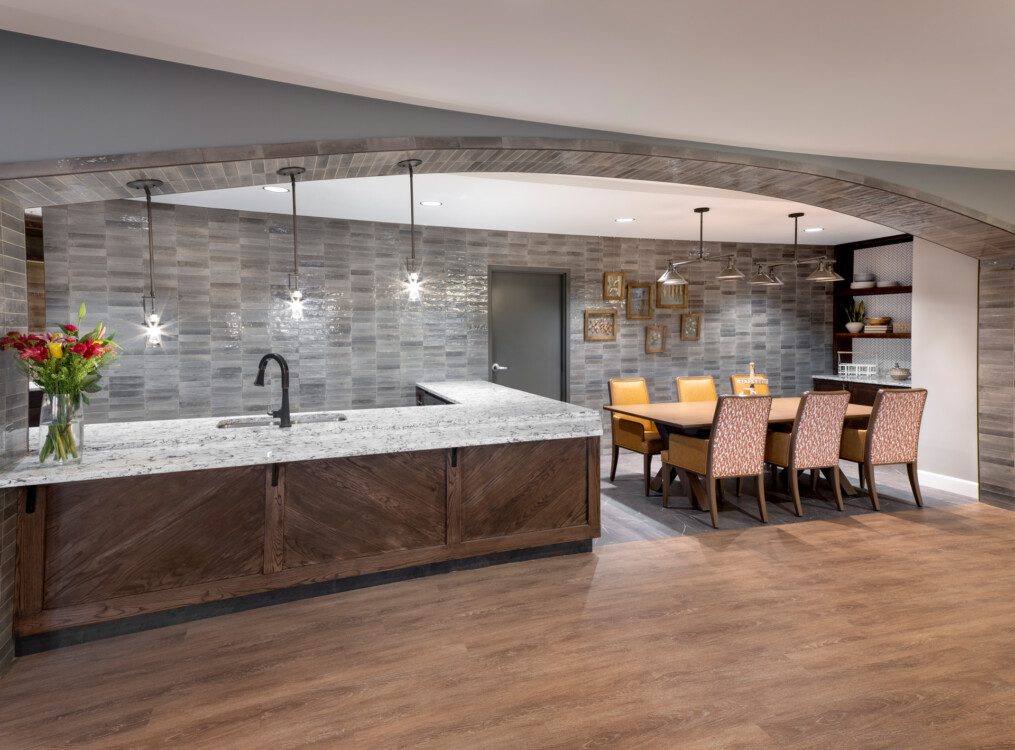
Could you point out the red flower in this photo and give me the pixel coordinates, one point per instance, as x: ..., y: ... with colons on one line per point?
x: 38, y: 353
x: 79, y: 349
x: 70, y: 328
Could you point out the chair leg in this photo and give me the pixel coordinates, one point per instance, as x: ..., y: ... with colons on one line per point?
x: 814, y: 481
x: 613, y: 463
x: 914, y: 482
x: 861, y: 470
x: 667, y: 478
x: 794, y: 485
x: 740, y: 486
x: 838, y: 488
x: 761, y: 498
x: 868, y: 469
x: 648, y: 474
x: 713, y: 507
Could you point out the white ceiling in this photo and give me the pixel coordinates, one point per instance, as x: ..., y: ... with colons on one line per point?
x: 908, y: 80
x: 555, y: 204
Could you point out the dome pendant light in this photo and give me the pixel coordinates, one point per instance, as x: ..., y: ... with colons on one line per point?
x: 295, y: 293
x: 411, y: 264
x: 152, y: 321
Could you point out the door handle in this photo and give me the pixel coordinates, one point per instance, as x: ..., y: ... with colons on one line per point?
x: 497, y: 368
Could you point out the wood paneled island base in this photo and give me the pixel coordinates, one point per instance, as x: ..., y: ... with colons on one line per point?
x: 99, y: 551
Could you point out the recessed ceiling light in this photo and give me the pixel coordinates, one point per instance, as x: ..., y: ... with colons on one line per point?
x: 623, y: 220
x: 814, y: 229
x: 276, y: 189
x: 431, y: 204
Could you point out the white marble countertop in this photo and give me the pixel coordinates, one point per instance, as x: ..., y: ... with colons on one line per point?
x: 481, y: 413
x: 873, y: 380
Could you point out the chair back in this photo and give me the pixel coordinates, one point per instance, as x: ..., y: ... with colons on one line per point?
x: 740, y: 387
x: 737, y: 445
x: 625, y: 391
x: 817, y: 431
x: 696, y: 388
x: 893, y: 435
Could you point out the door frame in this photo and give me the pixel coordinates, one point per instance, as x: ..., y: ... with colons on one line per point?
x: 565, y: 316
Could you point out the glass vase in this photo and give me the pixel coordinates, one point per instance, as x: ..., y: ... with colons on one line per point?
x: 61, y: 429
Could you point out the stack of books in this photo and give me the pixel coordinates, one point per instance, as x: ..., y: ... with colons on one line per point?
x: 878, y: 329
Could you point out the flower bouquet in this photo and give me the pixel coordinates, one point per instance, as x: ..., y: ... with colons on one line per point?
x: 65, y: 364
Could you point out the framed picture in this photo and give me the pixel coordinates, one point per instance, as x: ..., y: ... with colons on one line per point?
x: 690, y: 327
x: 600, y: 325
x: 655, y: 339
x: 613, y: 286
x: 671, y: 296
x: 639, y: 301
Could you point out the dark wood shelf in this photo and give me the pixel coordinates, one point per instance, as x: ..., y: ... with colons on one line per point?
x: 847, y: 335
x: 874, y: 291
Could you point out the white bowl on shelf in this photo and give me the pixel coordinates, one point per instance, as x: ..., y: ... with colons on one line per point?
x: 863, y: 285
x: 864, y: 277
x: 888, y: 283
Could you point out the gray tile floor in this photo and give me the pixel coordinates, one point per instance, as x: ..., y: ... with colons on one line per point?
x: 627, y: 515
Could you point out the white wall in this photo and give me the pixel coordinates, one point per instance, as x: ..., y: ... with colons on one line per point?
x: 944, y: 362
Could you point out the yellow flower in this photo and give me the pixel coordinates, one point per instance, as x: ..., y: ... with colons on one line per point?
x: 55, y: 349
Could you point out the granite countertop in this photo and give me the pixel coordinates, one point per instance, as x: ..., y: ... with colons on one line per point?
x: 481, y: 413
x: 873, y: 380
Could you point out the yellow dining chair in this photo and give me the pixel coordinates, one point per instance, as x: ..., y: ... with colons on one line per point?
x: 631, y: 433
x: 696, y: 388
x: 740, y: 387
x: 814, y: 442
x: 735, y: 448
x: 892, y: 437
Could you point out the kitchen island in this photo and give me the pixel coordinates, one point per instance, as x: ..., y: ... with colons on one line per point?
x: 165, y: 515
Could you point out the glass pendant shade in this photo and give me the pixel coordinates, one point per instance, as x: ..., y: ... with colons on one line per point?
x: 671, y: 276
x: 824, y: 273
x: 152, y: 323
x: 412, y: 273
x: 730, y: 272
x: 761, y: 277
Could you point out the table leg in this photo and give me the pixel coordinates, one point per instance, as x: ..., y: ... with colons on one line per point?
x: 846, y: 485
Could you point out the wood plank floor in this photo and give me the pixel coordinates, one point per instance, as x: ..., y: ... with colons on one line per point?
x: 888, y: 630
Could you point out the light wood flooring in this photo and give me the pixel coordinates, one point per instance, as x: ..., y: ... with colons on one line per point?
x: 880, y: 630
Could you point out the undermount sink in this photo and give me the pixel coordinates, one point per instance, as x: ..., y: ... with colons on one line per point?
x: 266, y: 421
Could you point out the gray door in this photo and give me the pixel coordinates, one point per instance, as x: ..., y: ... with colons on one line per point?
x: 528, y: 320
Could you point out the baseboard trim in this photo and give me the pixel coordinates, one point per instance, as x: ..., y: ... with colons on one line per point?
x: 944, y: 482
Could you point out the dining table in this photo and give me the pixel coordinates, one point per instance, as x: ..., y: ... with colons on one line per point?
x: 695, y: 418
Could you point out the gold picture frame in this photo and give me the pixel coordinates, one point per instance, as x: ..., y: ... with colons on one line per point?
x: 655, y: 339
x: 613, y: 286
x: 640, y: 296
x: 690, y: 327
x: 671, y: 296
x: 600, y: 325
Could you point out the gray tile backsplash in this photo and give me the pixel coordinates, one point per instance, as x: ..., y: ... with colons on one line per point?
x: 220, y: 281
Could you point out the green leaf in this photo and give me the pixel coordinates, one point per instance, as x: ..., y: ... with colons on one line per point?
x: 81, y: 312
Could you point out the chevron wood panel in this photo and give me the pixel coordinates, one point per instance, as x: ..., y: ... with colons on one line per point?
x: 340, y: 509
x: 507, y: 489
x: 110, y: 538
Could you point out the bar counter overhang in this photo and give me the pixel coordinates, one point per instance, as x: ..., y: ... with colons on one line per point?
x: 164, y: 515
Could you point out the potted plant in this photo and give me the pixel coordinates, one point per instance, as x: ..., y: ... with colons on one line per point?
x: 65, y: 364
x: 854, y: 316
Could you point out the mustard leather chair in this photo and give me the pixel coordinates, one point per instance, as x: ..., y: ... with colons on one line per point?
x: 814, y: 442
x: 735, y: 448
x: 892, y: 437
x: 696, y: 388
x: 740, y: 387
x: 631, y: 433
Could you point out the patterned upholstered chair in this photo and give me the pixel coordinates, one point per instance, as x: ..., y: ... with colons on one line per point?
x: 696, y: 388
x: 735, y: 448
x: 892, y: 437
x: 631, y: 433
x: 814, y: 442
x: 740, y: 387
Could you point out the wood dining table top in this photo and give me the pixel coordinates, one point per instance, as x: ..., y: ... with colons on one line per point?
x: 698, y: 414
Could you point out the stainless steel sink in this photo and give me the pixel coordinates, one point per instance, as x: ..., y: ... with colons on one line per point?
x: 308, y: 418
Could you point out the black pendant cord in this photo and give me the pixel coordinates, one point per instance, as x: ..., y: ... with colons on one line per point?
x: 151, y: 243
x: 701, y: 234
x: 296, y: 255
x: 412, y: 215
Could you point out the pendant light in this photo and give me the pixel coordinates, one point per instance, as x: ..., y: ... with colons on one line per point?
x: 824, y: 273
x: 411, y: 264
x: 295, y: 293
x: 730, y: 272
x: 671, y: 276
x: 152, y: 322
x: 763, y: 277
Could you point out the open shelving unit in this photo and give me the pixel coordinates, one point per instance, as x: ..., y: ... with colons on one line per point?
x: 873, y: 292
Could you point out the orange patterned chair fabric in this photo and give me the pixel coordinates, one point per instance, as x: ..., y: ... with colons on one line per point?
x: 817, y: 433
x: 893, y: 434
x: 737, y: 445
x: 696, y: 388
